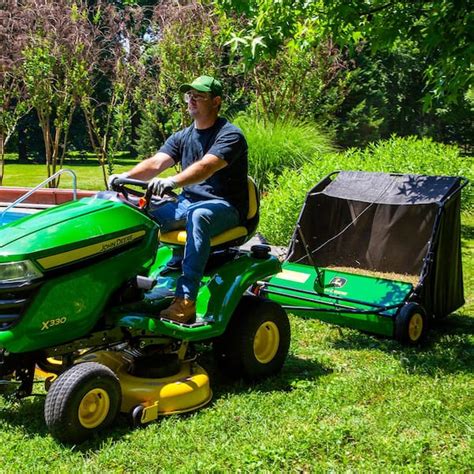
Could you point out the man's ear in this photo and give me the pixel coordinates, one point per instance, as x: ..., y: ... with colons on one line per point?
x: 216, y: 102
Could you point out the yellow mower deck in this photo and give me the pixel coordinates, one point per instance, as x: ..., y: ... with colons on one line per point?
x: 185, y: 391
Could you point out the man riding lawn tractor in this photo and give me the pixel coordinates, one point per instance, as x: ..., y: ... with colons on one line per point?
x: 213, y: 157
x: 86, y: 286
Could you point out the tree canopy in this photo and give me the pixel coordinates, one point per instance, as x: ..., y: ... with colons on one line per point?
x: 110, y: 71
x: 440, y: 29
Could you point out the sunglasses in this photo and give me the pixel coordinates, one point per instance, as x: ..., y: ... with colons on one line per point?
x: 188, y: 96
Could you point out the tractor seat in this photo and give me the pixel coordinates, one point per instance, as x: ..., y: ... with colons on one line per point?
x: 231, y: 237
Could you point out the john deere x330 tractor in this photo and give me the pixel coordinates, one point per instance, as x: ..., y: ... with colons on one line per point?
x: 82, y: 286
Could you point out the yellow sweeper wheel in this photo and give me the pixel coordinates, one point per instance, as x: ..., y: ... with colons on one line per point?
x: 411, y: 324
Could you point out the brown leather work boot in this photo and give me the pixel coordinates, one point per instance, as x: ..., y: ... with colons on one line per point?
x: 181, y: 310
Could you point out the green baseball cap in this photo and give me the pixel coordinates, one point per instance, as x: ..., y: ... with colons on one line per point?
x: 204, y: 84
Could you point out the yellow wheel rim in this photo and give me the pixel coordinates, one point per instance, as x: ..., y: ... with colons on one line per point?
x: 415, y: 327
x: 266, y: 342
x: 94, y: 408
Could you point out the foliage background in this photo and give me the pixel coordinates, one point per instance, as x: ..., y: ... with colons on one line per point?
x: 360, y: 70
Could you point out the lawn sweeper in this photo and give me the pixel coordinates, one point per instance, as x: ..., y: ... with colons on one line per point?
x: 376, y: 252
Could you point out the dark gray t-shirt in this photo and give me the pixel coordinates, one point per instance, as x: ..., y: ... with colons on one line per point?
x: 225, y: 141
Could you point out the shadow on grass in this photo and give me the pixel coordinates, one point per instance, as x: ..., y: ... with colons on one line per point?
x: 294, y: 371
x: 27, y: 415
x: 447, y: 348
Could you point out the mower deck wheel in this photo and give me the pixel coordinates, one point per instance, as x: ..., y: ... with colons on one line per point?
x: 135, y: 416
x: 256, y: 341
x: 411, y: 324
x: 82, y: 401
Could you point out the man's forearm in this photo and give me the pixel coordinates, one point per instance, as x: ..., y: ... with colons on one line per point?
x: 151, y: 167
x: 199, y: 171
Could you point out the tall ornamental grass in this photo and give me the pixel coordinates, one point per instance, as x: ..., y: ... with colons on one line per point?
x: 287, y: 191
x: 274, y: 147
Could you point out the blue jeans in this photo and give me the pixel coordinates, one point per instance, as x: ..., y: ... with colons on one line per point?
x: 202, y: 221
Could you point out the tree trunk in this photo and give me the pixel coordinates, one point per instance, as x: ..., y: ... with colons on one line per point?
x: 93, y: 136
x: 2, y: 158
x: 47, y: 146
x: 134, y: 122
x: 55, y: 155
x: 64, y: 144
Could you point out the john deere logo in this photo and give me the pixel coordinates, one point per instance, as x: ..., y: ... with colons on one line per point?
x: 338, y: 282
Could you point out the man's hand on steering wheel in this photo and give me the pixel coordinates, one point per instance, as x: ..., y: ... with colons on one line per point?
x: 113, y: 177
x: 159, y: 186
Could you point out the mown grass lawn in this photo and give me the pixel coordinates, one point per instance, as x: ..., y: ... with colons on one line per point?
x: 89, y: 174
x: 344, y: 401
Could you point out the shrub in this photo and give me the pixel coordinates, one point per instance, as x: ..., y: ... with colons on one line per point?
x: 276, y: 146
x: 287, y: 191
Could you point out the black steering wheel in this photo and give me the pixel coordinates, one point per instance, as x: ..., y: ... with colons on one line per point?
x: 122, y: 186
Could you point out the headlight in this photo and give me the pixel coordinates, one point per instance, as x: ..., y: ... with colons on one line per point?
x: 19, y: 271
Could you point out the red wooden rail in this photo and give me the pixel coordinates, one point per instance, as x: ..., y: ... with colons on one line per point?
x: 48, y: 196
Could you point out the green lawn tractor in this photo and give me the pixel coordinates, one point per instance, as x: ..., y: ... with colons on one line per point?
x: 376, y: 252
x: 82, y: 286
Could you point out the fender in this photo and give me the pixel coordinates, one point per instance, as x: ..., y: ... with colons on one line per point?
x: 216, y: 301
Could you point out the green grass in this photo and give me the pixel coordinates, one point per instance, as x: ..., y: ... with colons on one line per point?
x: 88, y: 176
x: 274, y: 147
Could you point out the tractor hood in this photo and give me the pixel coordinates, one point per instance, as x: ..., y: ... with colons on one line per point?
x: 73, y: 232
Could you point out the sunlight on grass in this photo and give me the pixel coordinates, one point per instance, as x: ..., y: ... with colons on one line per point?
x: 88, y: 176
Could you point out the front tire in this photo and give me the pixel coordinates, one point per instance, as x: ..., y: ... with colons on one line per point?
x: 82, y: 401
x: 256, y: 341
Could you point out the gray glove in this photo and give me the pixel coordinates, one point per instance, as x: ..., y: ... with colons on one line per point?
x: 113, y: 177
x: 158, y: 186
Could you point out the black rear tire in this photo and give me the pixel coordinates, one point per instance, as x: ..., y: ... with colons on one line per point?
x: 256, y: 341
x: 411, y: 324
x: 82, y: 401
